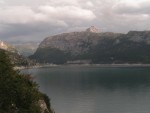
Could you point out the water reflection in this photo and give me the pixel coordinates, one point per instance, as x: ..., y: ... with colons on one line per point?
x: 96, y: 90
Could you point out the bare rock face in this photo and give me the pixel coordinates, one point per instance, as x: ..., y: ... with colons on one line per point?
x: 44, y: 108
x: 139, y: 36
x: 92, y: 29
x: 7, y: 47
x: 15, y: 57
x: 75, y: 42
x: 3, y: 45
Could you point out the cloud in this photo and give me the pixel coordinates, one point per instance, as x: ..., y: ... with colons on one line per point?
x: 27, y: 18
x: 17, y: 14
x: 23, y: 21
x: 90, y: 4
x: 24, y: 15
x: 45, y: 13
x: 2, y: 2
x: 67, y: 12
x: 63, y: 2
x: 133, y: 8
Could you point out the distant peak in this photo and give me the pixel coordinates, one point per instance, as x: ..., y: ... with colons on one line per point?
x: 92, y: 29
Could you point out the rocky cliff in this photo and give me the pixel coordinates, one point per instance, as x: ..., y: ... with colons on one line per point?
x: 75, y: 43
x: 139, y: 36
x: 95, y: 47
x: 92, y: 29
x: 14, y: 55
x: 7, y: 47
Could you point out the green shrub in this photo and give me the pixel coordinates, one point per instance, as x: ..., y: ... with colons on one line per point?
x: 18, y: 92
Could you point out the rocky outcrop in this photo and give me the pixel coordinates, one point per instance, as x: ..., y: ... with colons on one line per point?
x: 44, y: 108
x: 3, y: 46
x: 92, y: 29
x: 75, y: 42
x: 15, y: 57
x: 7, y: 47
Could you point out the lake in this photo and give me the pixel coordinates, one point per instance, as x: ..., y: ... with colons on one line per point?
x: 91, y: 89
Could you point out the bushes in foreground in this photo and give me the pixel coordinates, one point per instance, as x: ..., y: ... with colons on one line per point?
x: 18, y: 92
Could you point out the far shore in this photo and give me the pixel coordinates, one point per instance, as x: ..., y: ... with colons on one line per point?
x: 82, y: 65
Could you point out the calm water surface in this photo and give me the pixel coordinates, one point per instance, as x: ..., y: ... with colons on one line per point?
x: 79, y: 89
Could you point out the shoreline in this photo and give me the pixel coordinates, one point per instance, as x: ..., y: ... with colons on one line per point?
x: 82, y: 65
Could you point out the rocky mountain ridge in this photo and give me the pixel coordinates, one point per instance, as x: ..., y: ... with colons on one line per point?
x: 103, y: 47
x: 76, y: 42
x: 139, y: 36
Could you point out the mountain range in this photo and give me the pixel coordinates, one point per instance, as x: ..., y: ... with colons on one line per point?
x: 92, y: 46
x: 26, y: 49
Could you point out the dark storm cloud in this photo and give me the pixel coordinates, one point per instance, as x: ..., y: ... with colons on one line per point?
x: 26, y: 32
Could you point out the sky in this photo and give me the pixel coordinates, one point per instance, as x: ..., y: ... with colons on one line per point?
x: 34, y: 20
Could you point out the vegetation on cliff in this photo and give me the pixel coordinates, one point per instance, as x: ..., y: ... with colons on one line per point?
x: 18, y: 92
x: 16, y: 58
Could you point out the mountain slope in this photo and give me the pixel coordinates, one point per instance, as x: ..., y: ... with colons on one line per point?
x: 15, y: 57
x: 94, y: 47
x: 26, y: 49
